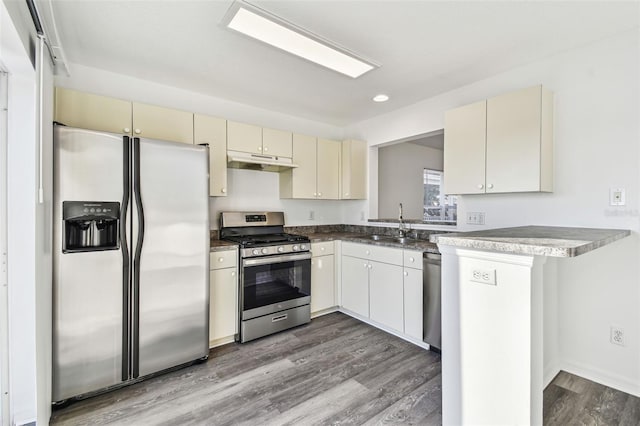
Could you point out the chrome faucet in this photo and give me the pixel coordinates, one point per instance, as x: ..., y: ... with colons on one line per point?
x: 402, y: 229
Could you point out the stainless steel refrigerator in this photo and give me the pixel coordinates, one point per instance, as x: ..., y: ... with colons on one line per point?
x: 131, y: 259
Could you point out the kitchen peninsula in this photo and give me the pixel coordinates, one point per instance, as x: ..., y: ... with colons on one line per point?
x: 493, y: 318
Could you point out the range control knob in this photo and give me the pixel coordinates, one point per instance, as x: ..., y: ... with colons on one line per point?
x: 265, y: 251
x: 303, y: 247
x: 256, y: 251
x: 280, y: 249
x: 295, y: 248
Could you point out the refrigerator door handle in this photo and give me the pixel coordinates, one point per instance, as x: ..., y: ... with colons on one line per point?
x: 135, y: 344
x: 126, y: 292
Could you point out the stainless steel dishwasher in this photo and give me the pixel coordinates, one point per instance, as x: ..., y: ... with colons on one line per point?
x: 431, y: 304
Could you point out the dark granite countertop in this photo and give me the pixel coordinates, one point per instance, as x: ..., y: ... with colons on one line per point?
x: 552, y: 241
x: 412, y: 244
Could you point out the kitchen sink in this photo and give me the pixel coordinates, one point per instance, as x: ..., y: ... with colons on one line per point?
x: 375, y: 237
x: 403, y: 240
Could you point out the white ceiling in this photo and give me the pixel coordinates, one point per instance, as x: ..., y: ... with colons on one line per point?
x: 425, y: 47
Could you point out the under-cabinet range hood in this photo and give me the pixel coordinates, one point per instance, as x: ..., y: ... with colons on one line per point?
x: 267, y: 163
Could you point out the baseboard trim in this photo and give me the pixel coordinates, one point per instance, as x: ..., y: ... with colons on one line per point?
x: 614, y: 381
x: 549, y: 374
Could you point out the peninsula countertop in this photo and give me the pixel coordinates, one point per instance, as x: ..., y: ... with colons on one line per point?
x: 534, y: 240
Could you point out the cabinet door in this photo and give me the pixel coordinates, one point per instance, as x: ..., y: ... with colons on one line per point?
x: 88, y: 111
x: 513, y: 141
x: 464, y: 149
x: 303, y: 178
x: 277, y: 142
x: 386, y: 300
x: 354, y: 170
x: 355, y: 285
x: 323, y: 295
x: 223, y: 304
x: 413, y: 303
x: 213, y: 131
x: 244, y: 137
x: 154, y: 122
x: 329, y: 169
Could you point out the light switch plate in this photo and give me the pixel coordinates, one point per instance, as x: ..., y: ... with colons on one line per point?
x: 475, y: 218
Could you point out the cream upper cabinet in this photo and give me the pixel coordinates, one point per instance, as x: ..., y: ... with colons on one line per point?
x: 154, y: 122
x: 300, y: 182
x: 244, y: 137
x: 354, y: 170
x: 519, y: 141
x: 328, y: 169
x: 465, y: 131
x: 213, y: 131
x: 504, y: 144
x: 277, y: 142
x: 94, y: 112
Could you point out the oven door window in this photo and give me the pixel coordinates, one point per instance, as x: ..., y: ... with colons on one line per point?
x: 276, y: 282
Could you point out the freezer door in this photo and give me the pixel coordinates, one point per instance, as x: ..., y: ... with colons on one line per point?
x: 87, y: 286
x: 171, y: 256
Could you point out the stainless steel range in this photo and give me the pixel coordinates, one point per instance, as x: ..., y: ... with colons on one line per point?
x: 275, y: 272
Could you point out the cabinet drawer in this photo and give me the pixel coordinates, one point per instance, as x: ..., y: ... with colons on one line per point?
x: 322, y: 249
x: 223, y: 259
x: 389, y: 255
x: 413, y: 259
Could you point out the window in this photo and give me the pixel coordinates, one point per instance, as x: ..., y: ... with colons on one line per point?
x: 437, y: 206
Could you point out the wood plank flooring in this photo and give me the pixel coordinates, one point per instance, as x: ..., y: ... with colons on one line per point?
x: 335, y: 370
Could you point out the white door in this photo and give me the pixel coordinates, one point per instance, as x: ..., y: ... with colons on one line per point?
x: 223, y: 305
x: 386, y: 301
x: 322, y: 283
x: 413, y: 301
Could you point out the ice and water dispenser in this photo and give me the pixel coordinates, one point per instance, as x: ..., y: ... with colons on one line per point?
x: 90, y: 226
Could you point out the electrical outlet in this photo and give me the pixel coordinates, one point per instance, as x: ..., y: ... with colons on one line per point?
x: 617, y: 197
x: 475, y: 218
x: 484, y: 276
x: 617, y: 335
x: 312, y: 215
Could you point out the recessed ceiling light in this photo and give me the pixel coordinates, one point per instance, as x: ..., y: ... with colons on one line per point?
x: 268, y: 28
x: 380, y: 98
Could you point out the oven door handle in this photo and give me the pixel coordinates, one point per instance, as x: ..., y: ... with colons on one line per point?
x: 275, y: 259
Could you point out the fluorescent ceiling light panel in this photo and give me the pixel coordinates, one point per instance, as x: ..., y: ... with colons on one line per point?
x: 261, y: 25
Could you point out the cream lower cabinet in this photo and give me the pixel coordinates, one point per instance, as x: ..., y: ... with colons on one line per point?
x: 386, y: 295
x: 385, y: 285
x: 323, y: 284
x: 355, y: 285
x: 223, y: 302
x: 413, y: 294
x: 213, y: 132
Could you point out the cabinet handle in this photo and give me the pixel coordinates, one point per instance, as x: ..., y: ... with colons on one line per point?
x: 321, y: 248
x: 221, y: 259
x: 370, y: 266
x: 346, y: 194
x: 315, y: 194
x: 223, y: 190
x: 137, y: 131
x: 312, y: 261
x: 406, y: 273
x: 319, y: 194
x: 480, y: 186
x: 490, y: 186
x: 365, y: 265
x: 126, y: 130
x: 411, y: 259
x: 259, y: 148
x: 367, y: 252
x: 233, y: 273
x: 266, y: 148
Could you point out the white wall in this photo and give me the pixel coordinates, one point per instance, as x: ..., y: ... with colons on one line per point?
x: 21, y: 221
x: 596, y: 147
x: 401, y: 178
x: 247, y: 189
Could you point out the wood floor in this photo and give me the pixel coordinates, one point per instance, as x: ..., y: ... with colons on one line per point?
x: 336, y: 370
